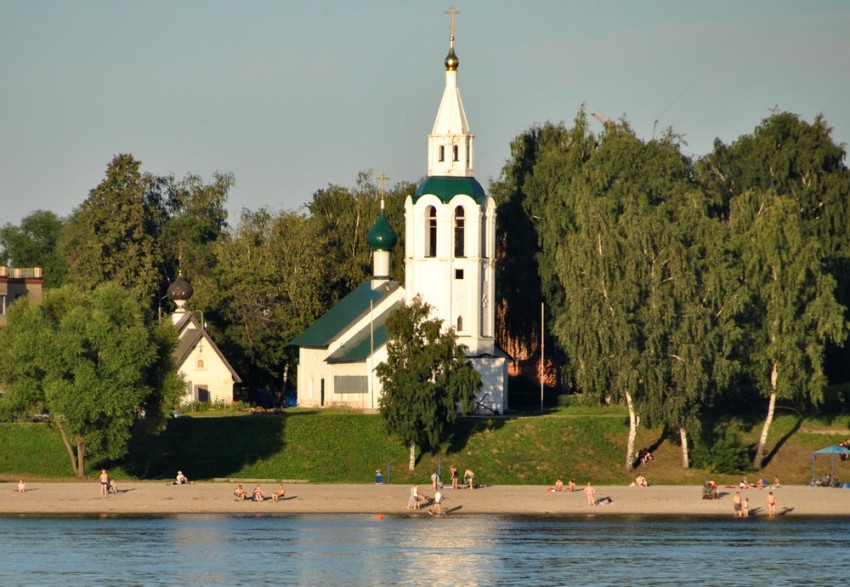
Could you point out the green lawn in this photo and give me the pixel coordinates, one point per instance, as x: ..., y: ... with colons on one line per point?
x: 334, y: 446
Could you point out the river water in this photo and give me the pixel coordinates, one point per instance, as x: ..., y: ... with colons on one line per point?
x: 454, y: 550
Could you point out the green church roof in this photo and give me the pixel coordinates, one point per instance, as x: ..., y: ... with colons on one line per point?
x: 447, y: 187
x: 361, y: 344
x: 348, y: 310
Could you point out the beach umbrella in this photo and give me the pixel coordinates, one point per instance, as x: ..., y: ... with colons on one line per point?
x: 830, y: 450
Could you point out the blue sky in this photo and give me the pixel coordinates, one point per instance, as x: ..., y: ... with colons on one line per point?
x: 290, y: 96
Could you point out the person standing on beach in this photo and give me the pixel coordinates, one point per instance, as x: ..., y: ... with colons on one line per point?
x: 438, y: 500
x: 736, y: 503
x: 104, y: 482
x: 469, y: 476
x: 745, y: 508
x: 771, y: 505
x: 590, y: 493
x: 22, y: 487
x: 454, y: 477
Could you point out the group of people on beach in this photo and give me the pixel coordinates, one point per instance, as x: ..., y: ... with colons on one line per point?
x: 416, y: 499
x: 107, y: 483
x: 741, y: 505
x: 259, y: 494
x: 468, y: 478
x: 560, y: 486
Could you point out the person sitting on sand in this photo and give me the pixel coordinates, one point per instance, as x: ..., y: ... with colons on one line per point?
x: 259, y: 494
x: 571, y: 486
x: 559, y: 485
x: 640, y: 481
x: 776, y: 481
x: 744, y: 484
x: 279, y: 494
x: 240, y: 493
x: 22, y: 487
x: 181, y: 479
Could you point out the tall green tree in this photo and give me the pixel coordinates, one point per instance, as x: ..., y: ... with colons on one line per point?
x: 273, y: 272
x: 112, y: 235
x: 35, y: 244
x: 90, y: 360
x: 797, y: 160
x: 426, y: 379
x: 195, y: 220
x: 792, y: 311
x: 689, y: 317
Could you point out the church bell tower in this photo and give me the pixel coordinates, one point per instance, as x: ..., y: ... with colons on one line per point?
x: 451, y: 226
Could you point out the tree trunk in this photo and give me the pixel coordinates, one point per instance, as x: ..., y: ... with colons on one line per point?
x: 69, y: 448
x: 634, y: 422
x: 683, y: 435
x: 758, y: 460
x: 412, y: 464
x: 81, y: 459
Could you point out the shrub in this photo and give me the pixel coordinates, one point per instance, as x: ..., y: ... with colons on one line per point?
x: 726, y: 454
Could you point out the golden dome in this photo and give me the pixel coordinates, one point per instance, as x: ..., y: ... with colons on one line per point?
x: 452, y: 61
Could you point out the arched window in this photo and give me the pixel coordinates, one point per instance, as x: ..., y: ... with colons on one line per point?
x: 460, y: 323
x: 431, y: 232
x: 459, y: 225
x: 442, y: 152
x: 455, y: 153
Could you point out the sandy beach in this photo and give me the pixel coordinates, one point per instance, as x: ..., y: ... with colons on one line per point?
x: 161, y: 498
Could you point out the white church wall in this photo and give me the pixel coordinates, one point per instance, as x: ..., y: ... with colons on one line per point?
x: 207, y: 374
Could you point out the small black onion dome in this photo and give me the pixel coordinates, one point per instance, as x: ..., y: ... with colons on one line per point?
x: 181, y: 289
x: 382, y: 237
x: 452, y: 61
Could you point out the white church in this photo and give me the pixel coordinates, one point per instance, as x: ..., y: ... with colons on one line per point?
x: 450, y: 236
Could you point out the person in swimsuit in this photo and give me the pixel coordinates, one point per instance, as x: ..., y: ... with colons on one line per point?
x: 454, y: 477
x: 771, y: 505
x: 590, y: 493
x: 104, y: 482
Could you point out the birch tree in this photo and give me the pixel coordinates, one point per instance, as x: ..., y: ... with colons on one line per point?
x: 426, y: 379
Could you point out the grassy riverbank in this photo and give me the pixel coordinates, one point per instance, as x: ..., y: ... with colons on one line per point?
x: 332, y: 446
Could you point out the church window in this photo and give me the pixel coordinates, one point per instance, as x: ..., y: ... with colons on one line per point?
x: 458, y: 273
x: 459, y: 236
x: 442, y: 152
x: 455, y: 153
x: 431, y: 232
x: 460, y: 323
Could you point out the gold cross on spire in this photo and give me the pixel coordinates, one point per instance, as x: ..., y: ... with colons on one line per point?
x: 383, y: 177
x: 451, y: 12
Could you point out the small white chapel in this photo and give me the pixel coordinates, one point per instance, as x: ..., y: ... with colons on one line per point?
x: 208, y: 374
x: 450, y: 244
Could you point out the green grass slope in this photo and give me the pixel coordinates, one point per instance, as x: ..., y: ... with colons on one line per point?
x: 332, y: 446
